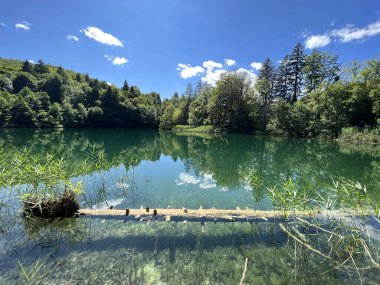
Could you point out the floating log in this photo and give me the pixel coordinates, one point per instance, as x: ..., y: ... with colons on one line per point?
x: 200, y: 215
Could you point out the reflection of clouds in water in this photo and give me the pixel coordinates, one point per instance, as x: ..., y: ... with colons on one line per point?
x: 205, y: 182
x: 106, y: 205
x: 186, y: 178
x: 122, y: 185
x: 224, y: 189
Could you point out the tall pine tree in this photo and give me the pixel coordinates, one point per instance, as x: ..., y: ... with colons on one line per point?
x: 27, y: 66
x: 282, y: 83
x: 125, y: 86
x: 265, y: 87
x: 296, y: 64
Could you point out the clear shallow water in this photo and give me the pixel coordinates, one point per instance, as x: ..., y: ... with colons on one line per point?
x: 164, y: 169
x: 95, y: 251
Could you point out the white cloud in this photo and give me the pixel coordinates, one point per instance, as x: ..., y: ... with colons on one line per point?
x: 101, y: 37
x: 212, y: 76
x: 249, y: 73
x: 119, y: 60
x: 116, y: 60
x: 256, y: 65
x: 31, y: 61
x: 351, y: 33
x: 344, y: 35
x: 187, y: 71
x: 317, y: 41
x: 23, y: 26
x: 72, y: 38
x: 212, y: 71
x: 229, y: 62
x: 3, y: 24
x: 211, y: 65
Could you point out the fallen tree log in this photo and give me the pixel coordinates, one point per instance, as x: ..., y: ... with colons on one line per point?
x: 200, y: 215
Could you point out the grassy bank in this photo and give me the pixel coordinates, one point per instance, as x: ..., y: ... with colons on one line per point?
x: 355, y: 135
x: 189, y: 129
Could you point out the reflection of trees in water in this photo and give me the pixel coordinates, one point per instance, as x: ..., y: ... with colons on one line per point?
x: 225, y: 157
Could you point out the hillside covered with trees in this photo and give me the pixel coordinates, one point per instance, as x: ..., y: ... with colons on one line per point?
x: 306, y: 95
x: 40, y: 95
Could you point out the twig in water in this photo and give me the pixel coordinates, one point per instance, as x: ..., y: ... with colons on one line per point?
x: 245, y: 270
x: 303, y: 243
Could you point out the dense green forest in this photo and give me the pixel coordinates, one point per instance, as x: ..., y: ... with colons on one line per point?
x: 306, y: 95
x: 40, y: 95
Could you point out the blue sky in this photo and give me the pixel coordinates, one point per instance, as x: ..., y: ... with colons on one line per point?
x: 162, y: 45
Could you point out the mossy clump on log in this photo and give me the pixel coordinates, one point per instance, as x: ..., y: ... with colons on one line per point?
x: 64, y: 206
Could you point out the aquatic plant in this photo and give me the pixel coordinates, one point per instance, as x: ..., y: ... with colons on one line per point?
x: 43, y: 182
x: 291, y: 195
x: 344, y: 211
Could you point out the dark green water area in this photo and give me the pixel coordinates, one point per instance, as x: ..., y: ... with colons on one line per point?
x: 161, y: 169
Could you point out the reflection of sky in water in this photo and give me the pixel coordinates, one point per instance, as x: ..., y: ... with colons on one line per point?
x: 161, y: 184
x: 204, y: 181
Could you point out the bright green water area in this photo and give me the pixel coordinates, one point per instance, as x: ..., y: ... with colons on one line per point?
x: 160, y: 169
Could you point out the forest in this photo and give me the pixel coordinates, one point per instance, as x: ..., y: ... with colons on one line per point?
x: 306, y: 95
x: 43, y: 96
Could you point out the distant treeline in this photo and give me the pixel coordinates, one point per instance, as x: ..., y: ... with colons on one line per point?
x: 40, y: 95
x: 306, y: 95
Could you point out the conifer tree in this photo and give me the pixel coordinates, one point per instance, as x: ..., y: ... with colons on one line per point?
x: 27, y: 66
x: 41, y: 67
x: 125, y: 86
x: 296, y: 64
x: 282, y: 89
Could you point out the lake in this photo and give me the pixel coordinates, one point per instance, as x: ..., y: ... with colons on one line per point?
x: 162, y: 169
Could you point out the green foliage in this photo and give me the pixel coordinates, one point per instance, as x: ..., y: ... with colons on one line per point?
x: 53, y: 86
x: 167, y: 119
x: 360, y: 136
x: 296, y: 64
x: 198, y: 113
x: 320, y: 67
x: 22, y: 80
x: 228, y: 107
x: 291, y: 195
x: 189, y: 129
x: 44, y: 96
x: 5, y: 84
x: 305, y: 96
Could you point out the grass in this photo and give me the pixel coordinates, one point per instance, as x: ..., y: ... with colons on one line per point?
x: 43, y: 182
x: 360, y: 136
x: 190, y: 129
